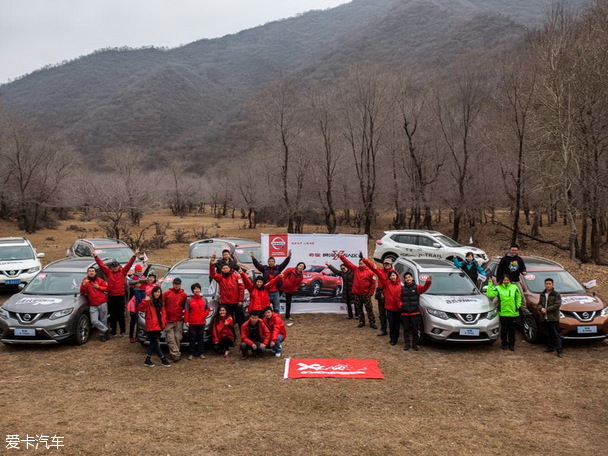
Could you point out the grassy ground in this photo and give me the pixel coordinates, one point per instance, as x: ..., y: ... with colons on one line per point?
x: 441, y: 400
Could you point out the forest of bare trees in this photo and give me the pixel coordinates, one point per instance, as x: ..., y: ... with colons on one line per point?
x: 526, y: 134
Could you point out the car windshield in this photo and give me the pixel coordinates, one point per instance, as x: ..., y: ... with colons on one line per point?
x: 314, y: 269
x: 447, y: 241
x: 451, y: 284
x: 188, y: 280
x: 122, y: 254
x: 16, y: 252
x: 563, y: 281
x: 243, y: 254
x: 55, y: 283
x: 206, y: 249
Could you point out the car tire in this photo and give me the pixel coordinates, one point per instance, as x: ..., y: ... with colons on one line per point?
x: 315, y: 288
x: 338, y: 291
x: 530, y: 329
x: 82, y: 329
x: 392, y: 256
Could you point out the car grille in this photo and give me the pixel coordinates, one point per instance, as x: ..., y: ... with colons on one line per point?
x: 469, y: 318
x: 26, y: 317
x: 581, y: 316
x: 13, y: 272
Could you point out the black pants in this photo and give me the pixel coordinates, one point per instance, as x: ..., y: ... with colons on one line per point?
x: 196, y: 339
x: 553, y: 335
x: 381, y: 310
x: 223, y: 345
x: 349, y: 305
x: 394, y: 323
x: 411, y: 329
x: 288, y: 305
x: 236, y: 312
x: 132, y: 323
x: 116, y: 309
x: 507, y: 331
x: 154, y: 338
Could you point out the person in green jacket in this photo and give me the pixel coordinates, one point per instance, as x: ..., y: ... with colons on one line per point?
x: 509, y: 302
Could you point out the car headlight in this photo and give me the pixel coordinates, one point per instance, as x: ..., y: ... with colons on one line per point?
x: 438, y: 313
x: 561, y: 315
x: 61, y: 313
x: 3, y: 313
x: 604, y: 312
x: 34, y: 269
x: 492, y: 314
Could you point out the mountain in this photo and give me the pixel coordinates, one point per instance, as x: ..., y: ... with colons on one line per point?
x: 189, y: 97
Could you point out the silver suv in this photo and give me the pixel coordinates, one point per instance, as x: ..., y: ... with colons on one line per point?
x: 453, y: 309
x: 49, y: 309
x: 19, y: 261
x: 423, y: 244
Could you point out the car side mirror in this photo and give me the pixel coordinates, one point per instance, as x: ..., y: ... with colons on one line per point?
x: 484, y: 289
x: 40, y: 255
x: 21, y: 286
x: 436, y: 245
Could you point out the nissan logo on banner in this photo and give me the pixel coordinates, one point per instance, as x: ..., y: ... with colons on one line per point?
x: 278, y: 245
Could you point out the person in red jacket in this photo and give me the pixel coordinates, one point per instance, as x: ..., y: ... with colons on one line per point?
x: 195, y: 317
x: 410, y: 309
x: 156, y: 320
x: 387, y: 268
x: 259, y: 297
x: 222, y: 331
x: 232, y: 291
x: 278, y: 333
x: 94, y: 288
x: 292, y: 278
x: 174, y: 301
x: 364, y: 284
x: 116, y: 292
x: 391, y: 293
x: 255, y: 336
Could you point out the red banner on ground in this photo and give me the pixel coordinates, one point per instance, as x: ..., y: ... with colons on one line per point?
x: 336, y: 368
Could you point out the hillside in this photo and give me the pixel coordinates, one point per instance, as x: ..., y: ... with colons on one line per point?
x: 187, y: 97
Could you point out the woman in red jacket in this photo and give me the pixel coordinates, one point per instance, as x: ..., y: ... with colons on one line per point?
x: 195, y: 317
x: 292, y: 278
x: 259, y: 297
x: 278, y: 333
x: 364, y: 284
x: 391, y: 290
x: 153, y: 307
x: 222, y: 331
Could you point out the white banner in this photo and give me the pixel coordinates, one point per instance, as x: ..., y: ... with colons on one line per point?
x: 321, y: 289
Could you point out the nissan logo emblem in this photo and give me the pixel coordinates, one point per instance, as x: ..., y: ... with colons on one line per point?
x: 27, y: 317
x: 12, y: 272
x: 469, y: 317
x: 585, y: 315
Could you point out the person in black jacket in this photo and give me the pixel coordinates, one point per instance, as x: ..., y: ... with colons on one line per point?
x: 228, y: 259
x: 549, y: 303
x: 347, y: 285
x: 270, y: 271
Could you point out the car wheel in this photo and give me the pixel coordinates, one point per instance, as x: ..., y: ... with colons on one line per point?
x: 392, y: 256
x: 530, y: 329
x: 315, y: 288
x: 338, y: 290
x: 83, y: 329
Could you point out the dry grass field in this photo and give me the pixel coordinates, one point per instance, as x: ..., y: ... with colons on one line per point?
x: 440, y: 400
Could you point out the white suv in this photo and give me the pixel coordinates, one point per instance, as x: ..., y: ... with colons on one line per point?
x: 423, y: 244
x: 19, y: 262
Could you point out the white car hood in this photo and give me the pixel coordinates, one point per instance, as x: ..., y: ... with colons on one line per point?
x: 457, y: 304
x: 17, y: 265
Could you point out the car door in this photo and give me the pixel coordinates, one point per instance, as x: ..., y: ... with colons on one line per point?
x: 427, y: 247
x: 408, y: 245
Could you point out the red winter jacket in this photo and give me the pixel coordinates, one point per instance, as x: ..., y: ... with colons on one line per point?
x: 96, y: 296
x: 152, y: 321
x: 291, y: 280
x: 380, y: 272
x: 231, y: 286
x: 116, y: 280
x: 222, y: 327
x: 174, y: 303
x: 364, y: 281
x: 390, y: 290
x: 196, y: 310
x: 275, y: 326
x: 262, y: 331
x: 258, y: 297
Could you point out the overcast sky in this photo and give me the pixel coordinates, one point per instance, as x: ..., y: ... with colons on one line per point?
x: 35, y: 33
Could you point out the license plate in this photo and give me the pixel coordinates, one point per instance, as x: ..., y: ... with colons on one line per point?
x: 25, y: 332
x: 586, y: 329
x: 469, y: 332
x: 12, y: 282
